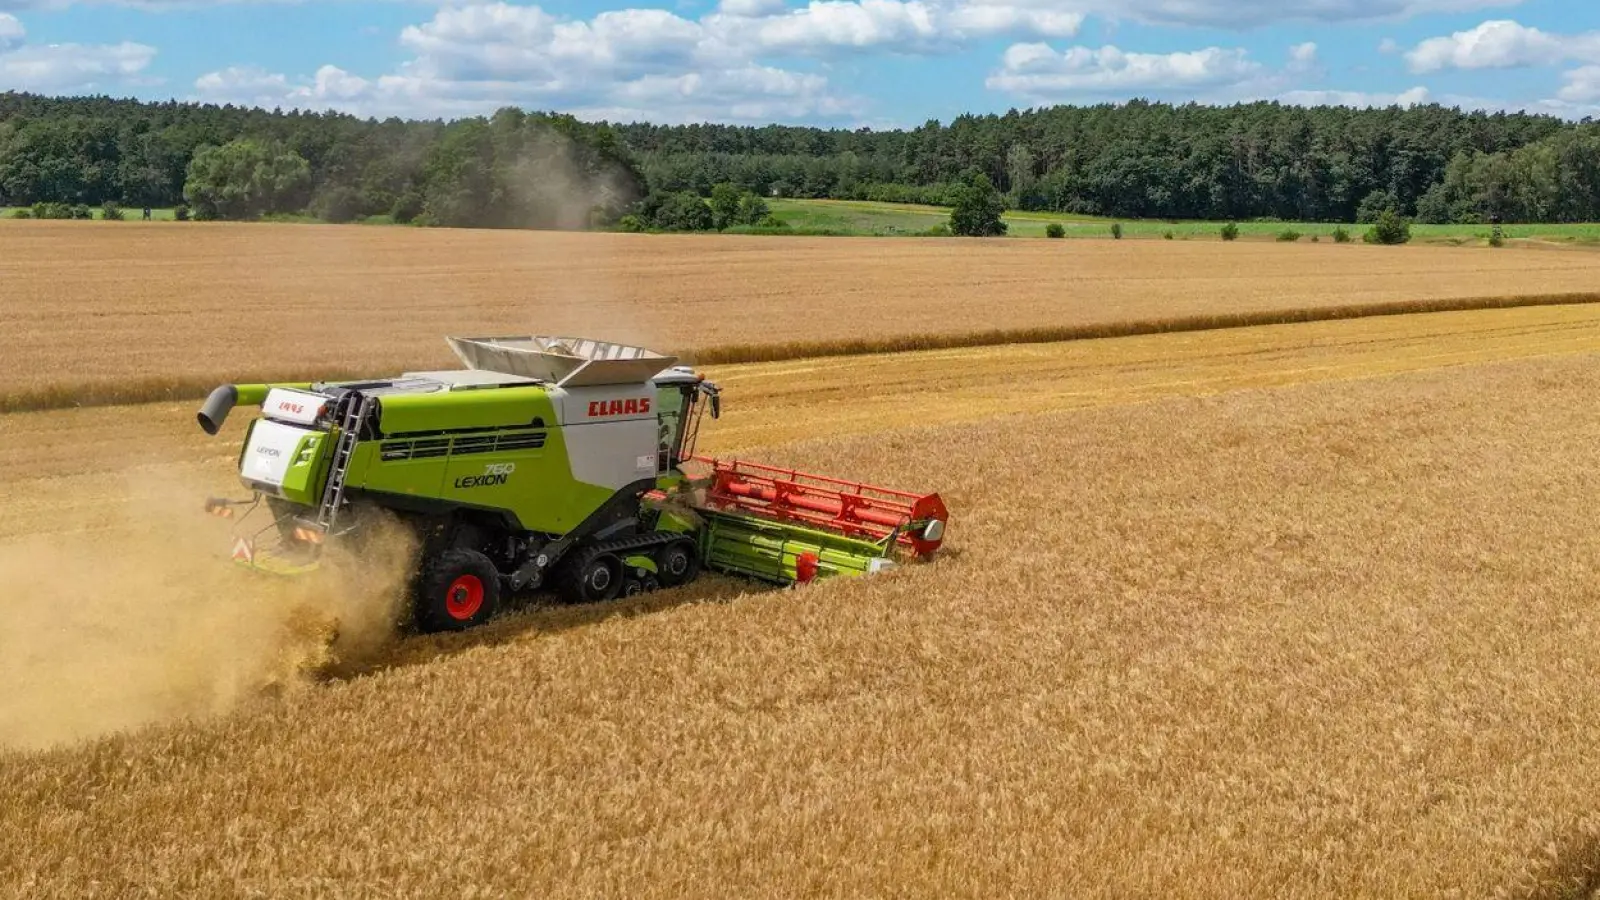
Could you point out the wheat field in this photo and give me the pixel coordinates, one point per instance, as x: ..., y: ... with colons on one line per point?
x: 1334, y: 639
x: 1302, y: 609
x: 90, y: 471
x: 1295, y: 611
x: 142, y: 311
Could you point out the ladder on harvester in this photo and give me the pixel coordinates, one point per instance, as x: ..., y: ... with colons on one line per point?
x: 356, y: 410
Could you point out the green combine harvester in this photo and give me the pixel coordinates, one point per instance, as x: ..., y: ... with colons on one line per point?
x: 547, y: 463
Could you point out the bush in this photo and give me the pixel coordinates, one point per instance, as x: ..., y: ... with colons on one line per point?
x: 1116, y: 231
x: 82, y: 212
x: 22, y: 213
x: 977, y: 208
x: 181, y: 213
x: 753, y: 210
x: 51, y: 210
x: 1055, y: 230
x: 1374, y: 205
x: 724, y: 205
x: 1389, y: 229
x: 1230, y: 232
x: 683, y: 211
x: 407, y: 207
x: 630, y: 224
x: 1289, y: 235
x: 246, y: 179
x: 1167, y: 236
x: 939, y: 230
x: 1495, y: 240
x: 338, y: 205
x: 1316, y: 239
x: 111, y: 212
x: 1341, y: 236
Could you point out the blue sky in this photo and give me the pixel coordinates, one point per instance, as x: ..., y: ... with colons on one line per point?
x: 878, y: 63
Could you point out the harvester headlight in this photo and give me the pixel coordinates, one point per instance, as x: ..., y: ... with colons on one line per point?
x: 934, y: 530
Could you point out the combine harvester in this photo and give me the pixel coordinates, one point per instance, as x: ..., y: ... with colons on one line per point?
x: 548, y: 462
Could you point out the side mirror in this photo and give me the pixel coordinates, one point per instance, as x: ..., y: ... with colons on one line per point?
x: 715, y: 394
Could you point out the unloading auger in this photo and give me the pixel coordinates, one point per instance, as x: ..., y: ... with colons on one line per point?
x: 548, y: 462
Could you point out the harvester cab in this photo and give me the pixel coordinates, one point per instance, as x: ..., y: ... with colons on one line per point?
x: 547, y: 461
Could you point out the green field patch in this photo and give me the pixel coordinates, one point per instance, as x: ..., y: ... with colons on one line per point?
x: 870, y: 218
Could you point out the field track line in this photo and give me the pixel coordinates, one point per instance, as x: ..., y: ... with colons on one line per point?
x: 190, y: 386
x: 748, y: 353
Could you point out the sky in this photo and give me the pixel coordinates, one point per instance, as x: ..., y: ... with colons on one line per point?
x: 837, y: 63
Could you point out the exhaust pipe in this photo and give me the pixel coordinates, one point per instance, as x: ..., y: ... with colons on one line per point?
x: 216, y: 408
x: 225, y: 398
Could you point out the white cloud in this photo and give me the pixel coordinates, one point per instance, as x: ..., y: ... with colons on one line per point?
x: 643, y: 63
x: 1582, y: 85
x: 822, y: 27
x: 630, y: 63
x: 1413, y: 97
x: 1303, y: 59
x: 825, y: 24
x: 1184, y: 12
x: 1500, y: 44
x: 11, y: 31
x: 754, y: 8
x: 1249, y: 13
x: 238, y: 81
x: 1039, y: 71
x: 67, y: 68
x: 1212, y: 75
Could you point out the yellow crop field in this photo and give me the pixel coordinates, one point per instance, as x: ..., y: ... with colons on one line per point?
x: 1293, y: 611
x: 118, y: 456
x: 1300, y: 609
x: 138, y: 311
x: 1328, y: 642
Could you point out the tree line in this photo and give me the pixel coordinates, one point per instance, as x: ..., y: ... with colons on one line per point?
x: 1162, y: 161
x: 516, y: 169
x: 512, y: 169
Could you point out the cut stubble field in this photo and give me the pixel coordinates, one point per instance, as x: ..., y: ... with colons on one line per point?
x: 144, y: 311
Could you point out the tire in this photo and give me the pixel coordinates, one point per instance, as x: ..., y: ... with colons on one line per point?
x: 677, y: 563
x: 591, y: 576
x: 459, y: 589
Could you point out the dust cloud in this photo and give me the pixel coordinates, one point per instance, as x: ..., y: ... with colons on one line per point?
x: 150, y: 622
x: 549, y: 185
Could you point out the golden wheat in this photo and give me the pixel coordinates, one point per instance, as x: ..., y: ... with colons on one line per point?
x: 1231, y: 664
x: 92, y: 315
x: 69, y: 471
x: 1333, y: 639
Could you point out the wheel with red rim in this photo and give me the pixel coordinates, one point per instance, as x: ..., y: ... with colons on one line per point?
x: 464, y: 598
x: 458, y: 589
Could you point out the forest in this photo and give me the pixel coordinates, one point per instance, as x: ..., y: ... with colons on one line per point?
x: 536, y: 170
